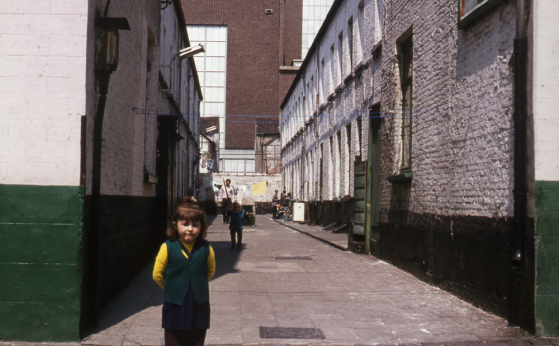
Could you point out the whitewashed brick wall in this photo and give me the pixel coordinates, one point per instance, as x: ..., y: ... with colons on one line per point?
x: 303, y: 176
x: 42, y: 91
x: 462, y: 101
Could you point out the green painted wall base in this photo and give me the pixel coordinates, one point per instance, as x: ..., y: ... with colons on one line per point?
x: 547, y: 257
x: 40, y: 262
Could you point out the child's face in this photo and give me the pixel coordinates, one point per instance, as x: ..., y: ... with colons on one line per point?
x: 188, y: 230
x: 237, y: 209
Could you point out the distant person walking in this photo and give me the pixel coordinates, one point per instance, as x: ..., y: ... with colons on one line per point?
x: 182, y: 268
x: 275, y: 205
x: 236, y: 225
x: 226, y: 194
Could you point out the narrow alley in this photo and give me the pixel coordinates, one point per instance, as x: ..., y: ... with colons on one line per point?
x: 285, y: 287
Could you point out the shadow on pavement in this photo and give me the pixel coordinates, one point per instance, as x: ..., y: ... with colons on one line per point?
x: 142, y: 294
x: 210, y: 219
x: 225, y: 258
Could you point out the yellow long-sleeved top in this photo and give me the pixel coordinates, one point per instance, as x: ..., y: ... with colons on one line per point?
x: 162, y: 259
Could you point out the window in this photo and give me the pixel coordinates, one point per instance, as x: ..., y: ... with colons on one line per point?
x: 359, y: 139
x: 406, y: 72
x: 361, y: 29
x: 321, y: 91
x: 333, y: 72
x: 314, y: 95
x: 307, y: 103
x: 470, y: 10
x: 350, y: 43
x: 340, y: 57
x: 314, y: 12
x: 211, y: 66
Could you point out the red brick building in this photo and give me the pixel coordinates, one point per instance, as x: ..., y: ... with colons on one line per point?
x: 263, y: 39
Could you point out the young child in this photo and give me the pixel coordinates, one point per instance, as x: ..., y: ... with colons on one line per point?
x: 182, y: 268
x: 236, y: 225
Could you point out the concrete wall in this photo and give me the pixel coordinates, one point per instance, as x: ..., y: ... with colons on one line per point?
x: 42, y: 85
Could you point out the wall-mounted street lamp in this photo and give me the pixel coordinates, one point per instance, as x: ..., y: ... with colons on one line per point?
x: 191, y: 51
x: 106, y: 42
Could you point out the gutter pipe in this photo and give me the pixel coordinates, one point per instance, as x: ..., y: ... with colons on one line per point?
x: 520, y: 135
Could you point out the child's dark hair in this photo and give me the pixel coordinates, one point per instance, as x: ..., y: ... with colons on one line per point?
x: 188, y: 210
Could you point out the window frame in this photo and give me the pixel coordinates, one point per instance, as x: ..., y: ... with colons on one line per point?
x: 350, y: 43
x: 406, y: 83
x: 482, y: 7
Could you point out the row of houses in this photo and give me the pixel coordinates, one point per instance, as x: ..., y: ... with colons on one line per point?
x: 100, y: 135
x: 428, y: 128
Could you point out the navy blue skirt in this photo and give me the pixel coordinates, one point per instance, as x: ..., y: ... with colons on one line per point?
x: 190, y: 315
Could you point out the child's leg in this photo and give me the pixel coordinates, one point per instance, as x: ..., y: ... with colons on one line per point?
x: 233, y: 242
x: 239, y: 238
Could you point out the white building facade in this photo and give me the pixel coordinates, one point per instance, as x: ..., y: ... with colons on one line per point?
x: 324, y: 118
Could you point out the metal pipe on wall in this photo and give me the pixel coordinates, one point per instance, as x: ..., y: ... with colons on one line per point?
x: 520, y: 135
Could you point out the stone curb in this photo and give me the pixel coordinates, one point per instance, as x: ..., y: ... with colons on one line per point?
x: 312, y: 236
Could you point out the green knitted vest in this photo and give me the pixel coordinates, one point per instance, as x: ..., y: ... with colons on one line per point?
x: 180, y: 271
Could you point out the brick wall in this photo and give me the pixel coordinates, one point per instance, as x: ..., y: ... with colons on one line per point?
x: 253, y: 58
x: 462, y: 100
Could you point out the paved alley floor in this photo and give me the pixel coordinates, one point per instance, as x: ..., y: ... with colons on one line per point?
x: 285, y: 287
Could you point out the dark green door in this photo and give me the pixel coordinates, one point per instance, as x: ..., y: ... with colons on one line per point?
x: 374, y: 173
x: 360, y: 198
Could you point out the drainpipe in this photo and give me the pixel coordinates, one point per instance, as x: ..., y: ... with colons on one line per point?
x: 520, y: 135
x: 106, y: 62
x: 103, y: 79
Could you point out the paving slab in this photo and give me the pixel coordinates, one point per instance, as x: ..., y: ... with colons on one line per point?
x: 317, y: 284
